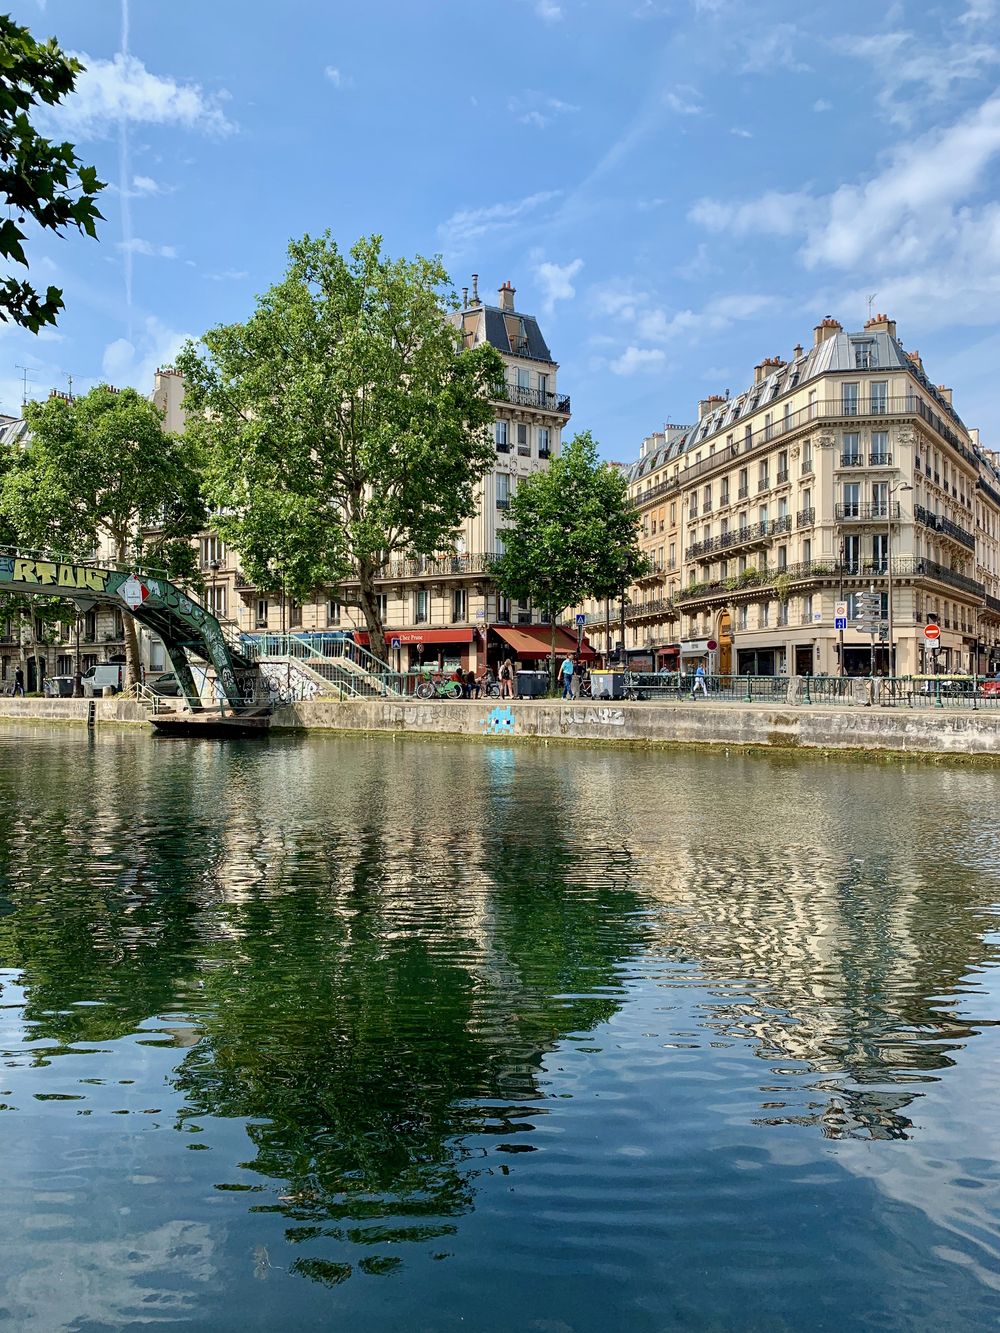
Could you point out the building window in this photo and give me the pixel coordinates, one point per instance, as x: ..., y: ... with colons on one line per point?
x: 420, y: 606
x: 543, y: 386
x: 880, y: 396
x: 523, y: 448
x: 724, y: 491
x: 523, y: 378
x: 865, y: 355
x: 852, y: 450
x: 459, y: 605
x: 261, y: 613
x: 215, y: 599
x: 765, y: 614
x: 500, y: 434
x: 503, y: 609
x: 741, y: 617
x: 852, y: 499
x: 543, y: 442
x: 382, y: 605
x: 294, y: 614
x: 807, y: 609
x: 849, y: 399
x: 503, y: 490
x: 213, y: 550
x: 782, y: 557
x: 333, y: 612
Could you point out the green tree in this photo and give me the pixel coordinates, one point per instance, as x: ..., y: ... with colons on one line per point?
x: 344, y: 423
x: 38, y: 179
x: 101, y: 466
x: 574, y: 534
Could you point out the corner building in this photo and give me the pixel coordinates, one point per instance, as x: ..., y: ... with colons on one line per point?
x: 842, y: 470
x: 442, y: 608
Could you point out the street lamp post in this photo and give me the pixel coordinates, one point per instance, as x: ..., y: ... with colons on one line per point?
x: 899, y: 486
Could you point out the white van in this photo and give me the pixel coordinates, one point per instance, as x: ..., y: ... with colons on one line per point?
x: 106, y: 676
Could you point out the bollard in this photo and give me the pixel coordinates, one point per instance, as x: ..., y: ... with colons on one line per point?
x: 808, y: 698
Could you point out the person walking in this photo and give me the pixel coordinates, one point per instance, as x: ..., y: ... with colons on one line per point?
x: 18, y: 681
x: 566, y: 676
x: 699, y: 681
x: 506, y: 679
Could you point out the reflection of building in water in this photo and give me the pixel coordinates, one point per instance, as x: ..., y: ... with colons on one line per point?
x: 825, y: 937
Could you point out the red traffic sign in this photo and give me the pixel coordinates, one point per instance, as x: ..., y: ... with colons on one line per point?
x: 932, y: 632
x: 711, y: 645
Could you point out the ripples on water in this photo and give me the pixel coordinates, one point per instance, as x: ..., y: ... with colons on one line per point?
x: 436, y: 1036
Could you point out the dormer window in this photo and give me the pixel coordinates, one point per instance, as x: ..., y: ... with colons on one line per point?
x: 865, y: 354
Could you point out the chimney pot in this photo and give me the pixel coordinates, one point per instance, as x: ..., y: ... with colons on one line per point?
x: 826, y: 328
x: 475, y: 289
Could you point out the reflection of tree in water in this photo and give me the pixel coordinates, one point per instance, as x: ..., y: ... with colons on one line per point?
x: 367, y: 1025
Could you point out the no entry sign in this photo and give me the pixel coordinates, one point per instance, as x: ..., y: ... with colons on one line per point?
x: 932, y: 632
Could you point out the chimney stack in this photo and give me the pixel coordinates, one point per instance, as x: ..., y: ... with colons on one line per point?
x: 881, y: 324
x: 465, y: 298
x: 797, y: 351
x: 826, y: 328
x: 507, y: 298
x: 475, y: 289
x: 945, y: 394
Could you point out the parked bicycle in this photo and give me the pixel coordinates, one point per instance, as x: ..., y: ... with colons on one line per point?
x: 436, y: 688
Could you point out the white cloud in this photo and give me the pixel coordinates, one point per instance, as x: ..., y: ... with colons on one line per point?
x: 136, y: 246
x: 911, y: 75
x: 533, y: 108
x: 557, y: 282
x: 771, y: 49
x: 636, y: 359
x: 776, y: 213
x: 123, y: 88
x: 920, y: 228
x: 683, y: 101
x: 127, y: 363
x: 145, y: 187
x: 821, y: 105
x: 228, y: 275
x: 471, y: 224
x: 337, y: 77
x: 978, y: 11
x: 740, y: 132
x: 548, y: 11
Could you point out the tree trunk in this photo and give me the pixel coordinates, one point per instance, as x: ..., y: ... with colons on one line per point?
x: 552, y: 659
x: 369, y: 609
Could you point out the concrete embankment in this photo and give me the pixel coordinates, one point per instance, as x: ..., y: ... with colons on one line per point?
x: 902, y: 730
x: 930, y: 732
x: 124, y: 712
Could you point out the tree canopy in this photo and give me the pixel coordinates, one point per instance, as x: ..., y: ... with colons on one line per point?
x: 343, y: 423
x: 38, y: 178
x: 102, y: 466
x: 574, y: 533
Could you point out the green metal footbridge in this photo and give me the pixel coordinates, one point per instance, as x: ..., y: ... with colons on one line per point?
x: 183, y: 625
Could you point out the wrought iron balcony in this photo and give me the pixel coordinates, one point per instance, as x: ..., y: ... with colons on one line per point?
x: 539, y: 399
x: 851, y: 511
x: 755, y: 534
x: 944, y: 526
x: 880, y: 460
x: 852, y: 460
x: 805, y: 518
x: 781, y: 476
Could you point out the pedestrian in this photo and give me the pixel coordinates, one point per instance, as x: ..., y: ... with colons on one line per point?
x: 18, y: 681
x: 506, y: 679
x: 699, y: 681
x: 472, y: 689
x: 566, y: 676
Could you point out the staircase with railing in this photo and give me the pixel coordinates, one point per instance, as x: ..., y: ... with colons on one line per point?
x: 350, y: 667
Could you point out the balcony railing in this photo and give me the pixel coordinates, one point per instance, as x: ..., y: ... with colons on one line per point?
x: 751, y: 535
x: 502, y: 448
x: 536, y: 398
x: 852, y: 460
x: 659, y: 606
x: 503, y: 501
x: 805, y: 518
x: 828, y: 572
x: 781, y: 476
x: 945, y: 526
x: 851, y: 510
x: 880, y: 460
x: 743, y: 492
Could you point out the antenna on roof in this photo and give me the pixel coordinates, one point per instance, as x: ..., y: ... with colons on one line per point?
x: 871, y: 302
x: 25, y: 372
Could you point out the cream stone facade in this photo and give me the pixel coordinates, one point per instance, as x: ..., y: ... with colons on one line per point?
x: 839, y: 471
x: 442, y: 608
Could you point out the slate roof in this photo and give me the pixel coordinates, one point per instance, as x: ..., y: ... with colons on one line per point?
x: 496, y: 334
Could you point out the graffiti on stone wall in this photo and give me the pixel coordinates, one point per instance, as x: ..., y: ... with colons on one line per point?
x: 499, y: 723
x: 599, y: 717
x: 286, y: 683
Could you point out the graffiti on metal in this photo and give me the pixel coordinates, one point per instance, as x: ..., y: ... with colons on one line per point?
x: 50, y: 574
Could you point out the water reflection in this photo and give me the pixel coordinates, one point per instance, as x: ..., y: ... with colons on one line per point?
x: 359, y: 987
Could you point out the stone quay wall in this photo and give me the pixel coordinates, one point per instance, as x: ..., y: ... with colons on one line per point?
x: 746, y: 726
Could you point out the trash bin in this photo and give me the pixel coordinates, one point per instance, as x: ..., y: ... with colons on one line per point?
x: 607, y: 684
x: 532, y: 684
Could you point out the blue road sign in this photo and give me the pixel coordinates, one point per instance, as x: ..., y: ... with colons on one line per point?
x: 840, y: 622
x: 581, y: 620
x: 395, y: 643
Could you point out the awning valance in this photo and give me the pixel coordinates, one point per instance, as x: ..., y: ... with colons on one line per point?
x: 406, y: 636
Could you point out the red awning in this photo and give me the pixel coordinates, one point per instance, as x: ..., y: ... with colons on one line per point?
x: 405, y: 636
x: 534, y: 641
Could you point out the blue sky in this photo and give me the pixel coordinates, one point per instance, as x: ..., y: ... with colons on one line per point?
x: 677, y: 188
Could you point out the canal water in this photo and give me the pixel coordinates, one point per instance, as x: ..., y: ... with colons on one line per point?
x: 345, y: 1033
